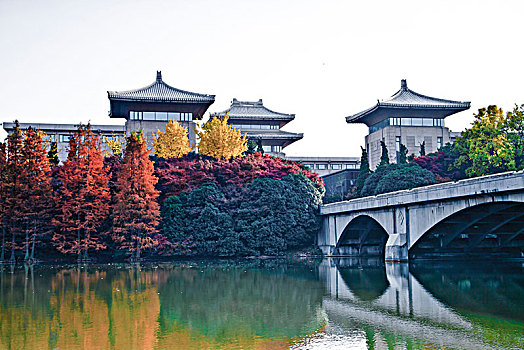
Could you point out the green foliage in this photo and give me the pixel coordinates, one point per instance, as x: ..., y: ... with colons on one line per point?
x: 277, y: 215
x: 271, y: 217
x: 422, y: 151
x: 199, y: 215
x: 487, y: 147
x: 251, y: 148
x: 52, y: 155
x: 384, y: 158
x: 259, y: 146
x: 364, y: 171
x: 513, y: 128
x: 396, y: 177
x: 402, y: 154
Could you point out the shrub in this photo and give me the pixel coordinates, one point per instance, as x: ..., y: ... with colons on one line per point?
x: 396, y: 177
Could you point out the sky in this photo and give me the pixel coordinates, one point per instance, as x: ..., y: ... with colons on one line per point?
x: 321, y: 60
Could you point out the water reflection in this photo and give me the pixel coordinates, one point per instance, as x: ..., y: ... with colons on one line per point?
x: 339, y: 303
x: 394, y: 308
x: 193, y: 306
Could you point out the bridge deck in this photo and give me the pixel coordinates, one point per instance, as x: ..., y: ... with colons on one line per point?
x: 504, y: 182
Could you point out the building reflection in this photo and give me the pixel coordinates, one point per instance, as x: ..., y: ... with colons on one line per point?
x: 391, y: 305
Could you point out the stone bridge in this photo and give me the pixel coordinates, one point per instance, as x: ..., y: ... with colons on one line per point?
x: 484, y: 215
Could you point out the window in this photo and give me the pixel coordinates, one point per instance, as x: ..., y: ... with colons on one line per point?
x: 149, y: 115
x: 351, y: 166
x: 161, y: 116
x: 336, y: 166
x: 427, y: 122
x: 439, y: 143
x: 438, y: 122
x: 63, y: 138
x: 397, y: 143
x: 321, y: 166
x: 416, y: 121
x: 267, y: 149
x: 276, y: 149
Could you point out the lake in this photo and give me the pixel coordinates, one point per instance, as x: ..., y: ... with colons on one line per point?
x: 263, y: 304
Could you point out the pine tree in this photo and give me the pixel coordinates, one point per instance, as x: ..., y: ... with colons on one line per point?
x: 384, y: 158
x: 83, y: 198
x: 171, y: 143
x: 402, y: 154
x: 251, y: 148
x: 422, y: 149
x: 52, y: 155
x: 136, y: 211
x: 260, y: 148
x: 219, y: 140
x: 364, y: 171
x: 35, y: 209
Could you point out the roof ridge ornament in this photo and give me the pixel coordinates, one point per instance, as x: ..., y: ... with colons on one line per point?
x: 403, y: 84
x: 158, y: 76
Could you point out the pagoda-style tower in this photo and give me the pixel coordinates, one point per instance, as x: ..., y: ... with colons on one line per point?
x: 259, y: 122
x: 407, y: 118
x: 151, y: 107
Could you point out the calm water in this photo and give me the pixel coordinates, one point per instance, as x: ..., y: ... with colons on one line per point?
x: 333, y: 304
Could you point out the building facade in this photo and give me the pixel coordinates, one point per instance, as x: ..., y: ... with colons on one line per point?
x: 407, y: 118
x: 151, y: 107
x: 60, y: 133
x: 328, y: 165
x: 256, y: 121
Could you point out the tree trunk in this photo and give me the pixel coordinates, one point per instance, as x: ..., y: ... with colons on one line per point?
x: 12, y: 259
x: 79, y: 249
x: 26, y: 255
x: 33, y: 247
x: 2, y: 256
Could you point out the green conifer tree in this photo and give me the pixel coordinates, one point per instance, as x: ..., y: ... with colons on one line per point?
x: 384, y: 158
x: 364, y: 171
x: 259, y: 146
x: 423, y: 149
x: 402, y: 154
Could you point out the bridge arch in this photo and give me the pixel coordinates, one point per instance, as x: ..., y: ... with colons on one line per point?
x: 493, y: 227
x: 362, y: 236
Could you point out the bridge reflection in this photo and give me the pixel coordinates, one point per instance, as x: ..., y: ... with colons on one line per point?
x: 387, y: 300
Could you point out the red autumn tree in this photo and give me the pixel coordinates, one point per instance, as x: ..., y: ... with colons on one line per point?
x: 82, y: 197
x: 35, y: 189
x: 136, y: 211
x: 12, y: 188
x: 3, y: 163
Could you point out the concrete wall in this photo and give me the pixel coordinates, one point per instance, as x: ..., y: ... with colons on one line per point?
x: 411, y: 137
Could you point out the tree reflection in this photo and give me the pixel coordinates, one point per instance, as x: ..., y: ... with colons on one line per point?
x: 132, y: 307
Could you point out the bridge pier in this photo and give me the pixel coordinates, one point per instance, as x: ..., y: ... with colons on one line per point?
x: 397, y: 248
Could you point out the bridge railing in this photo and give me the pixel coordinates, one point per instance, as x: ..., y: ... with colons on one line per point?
x: 484, y: 185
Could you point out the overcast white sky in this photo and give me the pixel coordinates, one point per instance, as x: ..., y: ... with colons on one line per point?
x: 322, y: 60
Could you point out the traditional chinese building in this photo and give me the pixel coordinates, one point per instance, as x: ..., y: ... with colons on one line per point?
x: 256, y: 121
x: 151, y: 107
x: 407, y: 118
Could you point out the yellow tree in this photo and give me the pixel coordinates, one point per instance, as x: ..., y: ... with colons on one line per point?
x: 219, y: 140
x: 171, y: 143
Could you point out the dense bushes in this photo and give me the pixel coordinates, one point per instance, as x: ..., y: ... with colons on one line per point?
x: 395, y: 177
x: 269, y: 216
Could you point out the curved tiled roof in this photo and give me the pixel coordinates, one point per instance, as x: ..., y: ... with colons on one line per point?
x: 406, y: 98
x: 160, y: 92
x: 273, y: 134
x: 252, y: 110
